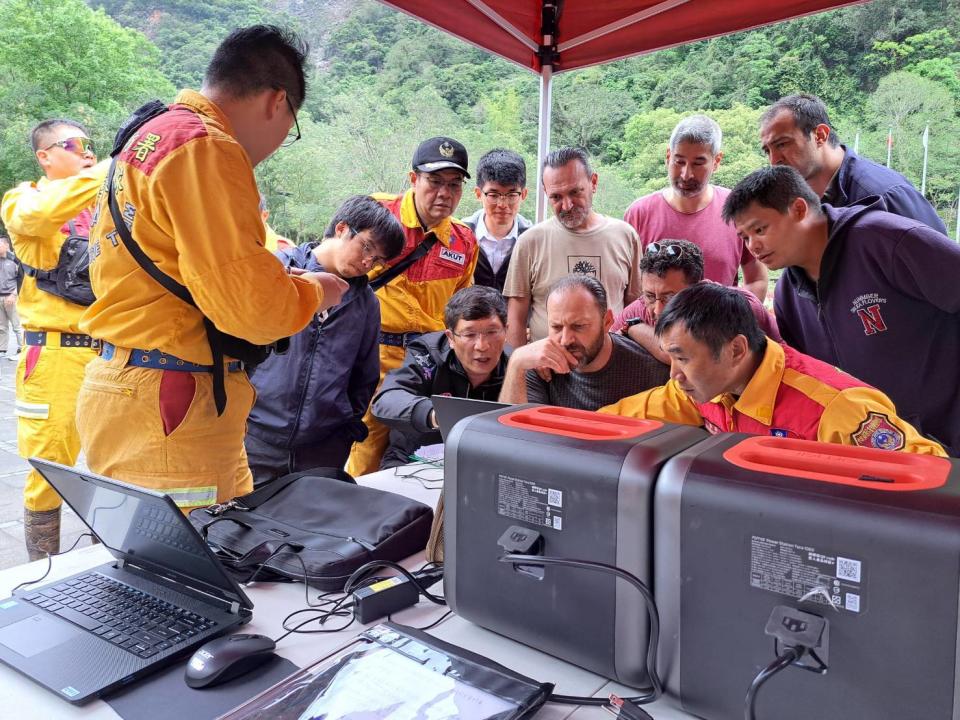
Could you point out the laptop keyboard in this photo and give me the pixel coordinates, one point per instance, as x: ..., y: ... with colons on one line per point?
x: 127, y: 617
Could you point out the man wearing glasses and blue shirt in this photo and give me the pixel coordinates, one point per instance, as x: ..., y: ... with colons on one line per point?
x: 501, y: 188
x: 311, y: 399
x: 467, y: 360
x: 438, y: 259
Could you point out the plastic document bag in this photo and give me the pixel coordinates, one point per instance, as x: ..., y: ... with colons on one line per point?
x: 400, y: 673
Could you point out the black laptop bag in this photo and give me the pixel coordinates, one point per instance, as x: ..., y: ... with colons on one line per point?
x: 305, y: 526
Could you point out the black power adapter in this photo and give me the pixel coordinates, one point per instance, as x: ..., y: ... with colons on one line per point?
x: 384, y: 598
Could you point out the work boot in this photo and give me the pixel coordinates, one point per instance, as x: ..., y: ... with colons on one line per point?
x: 41, y: 531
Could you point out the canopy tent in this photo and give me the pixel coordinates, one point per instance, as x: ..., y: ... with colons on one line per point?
x: 551, y: 36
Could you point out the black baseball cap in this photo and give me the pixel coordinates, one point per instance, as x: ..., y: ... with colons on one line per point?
x: 440, y: 153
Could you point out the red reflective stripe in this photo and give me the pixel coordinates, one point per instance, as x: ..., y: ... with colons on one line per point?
x: 176, y: 394
x: 33, y: 356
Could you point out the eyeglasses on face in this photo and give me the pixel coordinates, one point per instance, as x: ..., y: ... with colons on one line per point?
x: 671, y: 250
x: 472, y: 336
x: 508, y: 198
x: 78, y: 145
x: 369, y: 250
x: 294, y: 133
x: 436, y: 183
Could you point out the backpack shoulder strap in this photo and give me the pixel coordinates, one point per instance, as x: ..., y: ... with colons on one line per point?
x: 418, y: 252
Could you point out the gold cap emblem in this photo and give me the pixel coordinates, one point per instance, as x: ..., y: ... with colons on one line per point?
x: 446, y: 149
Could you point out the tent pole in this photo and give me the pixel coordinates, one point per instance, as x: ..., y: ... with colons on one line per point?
x: 543, y: 135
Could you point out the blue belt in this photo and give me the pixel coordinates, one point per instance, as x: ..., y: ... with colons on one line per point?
x: 41, y: 337
x: 398, y: 339
x: 157, y: 360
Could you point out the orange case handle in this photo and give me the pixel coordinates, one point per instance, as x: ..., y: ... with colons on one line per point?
x: 580, y: 424
x: 849, y: 465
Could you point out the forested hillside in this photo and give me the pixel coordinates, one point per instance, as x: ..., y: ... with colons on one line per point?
x: 381, y: 81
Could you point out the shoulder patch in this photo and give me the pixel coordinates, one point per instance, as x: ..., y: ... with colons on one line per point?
x: 877, y: 431
x: 162, y: 135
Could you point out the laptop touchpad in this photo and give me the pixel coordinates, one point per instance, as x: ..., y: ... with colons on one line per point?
x: 36, y: 634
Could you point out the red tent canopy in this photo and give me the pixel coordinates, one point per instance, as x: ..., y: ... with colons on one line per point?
x: 590, y: 32
x: 550, y: 36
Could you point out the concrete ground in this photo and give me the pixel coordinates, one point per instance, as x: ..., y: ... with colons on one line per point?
x: 13, y: 472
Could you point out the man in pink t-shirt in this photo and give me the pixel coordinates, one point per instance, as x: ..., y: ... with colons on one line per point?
x: 666, y: 268
x: 689, y: 207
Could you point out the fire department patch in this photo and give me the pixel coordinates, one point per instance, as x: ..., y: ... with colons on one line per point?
x: 876, y: 431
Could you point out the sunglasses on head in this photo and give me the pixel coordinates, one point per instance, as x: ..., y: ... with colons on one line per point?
x: 78, y: 145
x: 669, y: 249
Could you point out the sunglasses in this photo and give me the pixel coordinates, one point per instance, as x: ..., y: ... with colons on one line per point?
x: 78, y: 145
x: 669, y: 249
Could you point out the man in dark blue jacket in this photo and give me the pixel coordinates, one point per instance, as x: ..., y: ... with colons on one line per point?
x: 873, y: 293
x: 310, y: 400
x: 796, y: 131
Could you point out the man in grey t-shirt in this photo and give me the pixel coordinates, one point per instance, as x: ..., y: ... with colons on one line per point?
x: 586, y: 366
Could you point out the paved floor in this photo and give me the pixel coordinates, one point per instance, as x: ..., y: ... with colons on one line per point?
x: 13, y: 472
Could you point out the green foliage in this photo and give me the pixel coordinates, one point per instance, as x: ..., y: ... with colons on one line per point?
x: 382, y: 81
x: 64, y: 59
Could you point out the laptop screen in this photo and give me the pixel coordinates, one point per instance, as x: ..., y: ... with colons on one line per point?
x: 143, y: 527
x: 451, y: 410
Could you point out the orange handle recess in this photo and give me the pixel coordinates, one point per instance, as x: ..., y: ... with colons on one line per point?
x: 580, y: 424
x: 850, y: 465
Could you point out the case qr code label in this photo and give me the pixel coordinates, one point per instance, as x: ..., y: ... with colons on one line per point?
x: 848, y: 569
x: 853, y: 602
x: 555, y: 498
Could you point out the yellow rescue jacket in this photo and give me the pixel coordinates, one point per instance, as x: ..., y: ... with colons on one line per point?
x: 186, y: 188
x: 36, y: 216
x: 414, y: 301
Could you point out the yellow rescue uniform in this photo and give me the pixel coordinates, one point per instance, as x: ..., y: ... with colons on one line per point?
x: 48, y: 375
x: 187, y: 191
x: 790, y: 395
x: 414, y: 302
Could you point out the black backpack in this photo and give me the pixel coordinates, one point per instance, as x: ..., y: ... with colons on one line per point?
x: 70, y: 279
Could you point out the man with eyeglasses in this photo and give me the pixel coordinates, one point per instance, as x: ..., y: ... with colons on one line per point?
x: 438, y: 259
x: 312, y: 398
x: 501, y: 188
x: 667, y: 268
x: 690, y: 207
x: 40, y: 218
x: 165, y: 406
x: 467, y: 360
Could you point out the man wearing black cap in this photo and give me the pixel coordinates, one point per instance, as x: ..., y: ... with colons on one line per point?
x: 437, y: 259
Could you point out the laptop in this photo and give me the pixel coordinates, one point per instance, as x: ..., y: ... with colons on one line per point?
x: 451, y: 410
x: 164, y: 595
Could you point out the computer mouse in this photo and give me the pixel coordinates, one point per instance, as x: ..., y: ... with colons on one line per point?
x: 227, y: 657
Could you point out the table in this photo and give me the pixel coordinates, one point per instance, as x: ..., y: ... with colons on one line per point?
x: 25, y: 700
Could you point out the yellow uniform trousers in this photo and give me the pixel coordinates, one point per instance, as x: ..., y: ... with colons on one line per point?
x: 48, y: 379
x: 365, y: 456
x: 159, y: 429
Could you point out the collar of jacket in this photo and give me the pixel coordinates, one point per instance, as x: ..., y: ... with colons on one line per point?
x: 760, y: 395
x: 204, y: 106
x: 410, y: 219
x: 302, y: 256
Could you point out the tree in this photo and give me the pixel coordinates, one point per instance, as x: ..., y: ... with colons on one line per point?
x: 60, y: 58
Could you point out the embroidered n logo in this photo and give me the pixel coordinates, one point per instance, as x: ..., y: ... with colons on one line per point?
x: 872, y: 320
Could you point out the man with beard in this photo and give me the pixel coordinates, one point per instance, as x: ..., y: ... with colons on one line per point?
x: 689, y: 208
x: 587, y: 367
x: 576, y: 240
